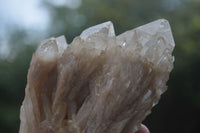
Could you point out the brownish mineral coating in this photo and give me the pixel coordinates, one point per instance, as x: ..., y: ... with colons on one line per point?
x: 99, y: 83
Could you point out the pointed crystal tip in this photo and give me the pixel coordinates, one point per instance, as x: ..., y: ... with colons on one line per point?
x: 158, y: 26
x: 51, y: 48
x: 108, y: 26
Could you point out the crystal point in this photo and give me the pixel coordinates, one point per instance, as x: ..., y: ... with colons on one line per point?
x: 106, y: 28
x: 99, y: 83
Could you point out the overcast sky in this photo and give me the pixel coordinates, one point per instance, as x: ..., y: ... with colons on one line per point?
x: 26, y: 13
x: 29, y: 13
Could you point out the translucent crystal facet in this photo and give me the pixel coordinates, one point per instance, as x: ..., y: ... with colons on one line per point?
x: 100, y: 83
x: 107, y: 27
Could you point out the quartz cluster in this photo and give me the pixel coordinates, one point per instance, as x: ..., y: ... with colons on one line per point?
x: 100, y: 83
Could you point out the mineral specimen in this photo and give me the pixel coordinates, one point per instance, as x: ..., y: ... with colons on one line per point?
x: 100, y: 83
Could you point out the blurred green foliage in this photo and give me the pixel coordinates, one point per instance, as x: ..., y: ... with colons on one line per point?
x: 179, y: 108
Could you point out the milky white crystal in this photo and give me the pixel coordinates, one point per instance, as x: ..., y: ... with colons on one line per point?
x: 100, y: 83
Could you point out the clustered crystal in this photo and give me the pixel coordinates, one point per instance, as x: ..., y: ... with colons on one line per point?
x: 100, y: 83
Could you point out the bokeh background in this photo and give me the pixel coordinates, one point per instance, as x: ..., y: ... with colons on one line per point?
x: 24, y: 23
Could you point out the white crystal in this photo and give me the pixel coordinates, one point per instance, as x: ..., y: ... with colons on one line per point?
x: 61, y: 44
x: 107, y: 26
x: 152, y: 41
x: 52, y: 48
